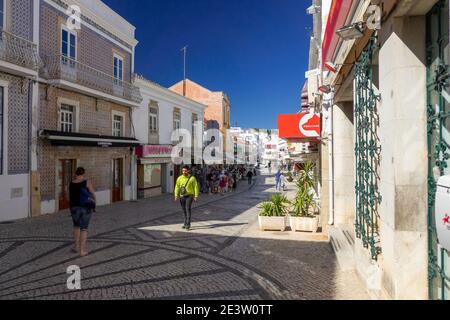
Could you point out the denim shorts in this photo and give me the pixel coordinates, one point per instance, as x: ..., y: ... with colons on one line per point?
x: 81, y: 217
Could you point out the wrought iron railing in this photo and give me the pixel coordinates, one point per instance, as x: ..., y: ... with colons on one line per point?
x: 367, y: 151
x: 19, y: 51
x: 63, y: 68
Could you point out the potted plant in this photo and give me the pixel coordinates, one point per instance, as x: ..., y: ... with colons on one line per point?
x: 273, y: 213
x: 289, y: 177
x: 302, y: 217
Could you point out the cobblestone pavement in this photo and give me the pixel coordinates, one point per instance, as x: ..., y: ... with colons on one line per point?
x: 139, y: 251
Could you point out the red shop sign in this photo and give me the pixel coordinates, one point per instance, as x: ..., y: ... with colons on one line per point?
x: 154, y: 151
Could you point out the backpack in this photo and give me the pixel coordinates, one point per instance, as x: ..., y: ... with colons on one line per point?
x: 86, y: 199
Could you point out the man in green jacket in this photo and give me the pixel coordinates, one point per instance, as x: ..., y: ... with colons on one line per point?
x: 186, y: 189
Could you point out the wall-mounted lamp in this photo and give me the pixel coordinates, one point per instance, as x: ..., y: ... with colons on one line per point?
x: 325, y: 89
x: 313, y: 9
x: 351, y: 32
x: 333, y: 66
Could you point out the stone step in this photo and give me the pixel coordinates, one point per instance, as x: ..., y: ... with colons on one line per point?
x: 342, y: 242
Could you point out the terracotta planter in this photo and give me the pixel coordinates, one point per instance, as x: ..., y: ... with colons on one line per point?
x: 304, y: 224
x: 272, y: 223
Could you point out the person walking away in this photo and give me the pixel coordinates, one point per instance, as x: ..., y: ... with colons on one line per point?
x: 186, y: 189
x: 82, y: 202
x: 222, y: 183
x: 227, y: 182
x: 249, y: 177
x: 209, y: 182
x: 234, y: 181
x: 230, y: 182
x: 277, y: 180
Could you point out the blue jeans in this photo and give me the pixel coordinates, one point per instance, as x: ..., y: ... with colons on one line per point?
x: 81, y: 217
x: 278, y: 185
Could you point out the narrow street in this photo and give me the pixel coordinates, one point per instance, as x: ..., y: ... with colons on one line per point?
x: 139, y: 251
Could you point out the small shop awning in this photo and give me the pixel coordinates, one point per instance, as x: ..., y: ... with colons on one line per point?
x: 58, y: 138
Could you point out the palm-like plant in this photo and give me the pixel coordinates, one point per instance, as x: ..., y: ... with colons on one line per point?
x: 304, y: 199
x: 307, y: 176
x: 276, y: 207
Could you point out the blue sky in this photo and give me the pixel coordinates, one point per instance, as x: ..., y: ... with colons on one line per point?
x: 256, y: 51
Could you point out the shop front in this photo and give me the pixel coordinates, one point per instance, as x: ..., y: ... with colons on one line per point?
x: 154, y: 169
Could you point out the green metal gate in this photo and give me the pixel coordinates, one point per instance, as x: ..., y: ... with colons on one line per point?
x: 438, y: 110
x: 367, y: 151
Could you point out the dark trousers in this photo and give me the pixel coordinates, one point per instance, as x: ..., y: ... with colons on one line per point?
x: 250, y: 180
x: 186, y: 204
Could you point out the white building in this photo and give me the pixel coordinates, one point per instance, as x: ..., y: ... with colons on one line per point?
x: 161, y: 112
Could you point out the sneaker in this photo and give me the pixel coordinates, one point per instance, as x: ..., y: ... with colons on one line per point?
x: 188, y: 228
x: 184, y: 227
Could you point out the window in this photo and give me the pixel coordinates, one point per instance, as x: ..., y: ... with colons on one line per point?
x: 176, y: 119
x: 67, y: 118
x: 177, y: 124
x: 152, y: 176
x: 69, y: 44
x: 118, y: 69
x: 2, y: 14
x: 153, y: 121
x: 1, y: 128
x: 117, y: 125
x: 194, y: 122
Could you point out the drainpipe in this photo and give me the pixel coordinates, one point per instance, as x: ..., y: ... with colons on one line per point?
x: 331, y: 161
x: 30, y: 146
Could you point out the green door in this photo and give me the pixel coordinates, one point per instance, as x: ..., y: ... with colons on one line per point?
x: 438, y: 109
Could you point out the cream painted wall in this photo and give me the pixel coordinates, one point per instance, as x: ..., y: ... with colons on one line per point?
x: 403, y: 135
x: 13, y: 208
x: 344, y: 159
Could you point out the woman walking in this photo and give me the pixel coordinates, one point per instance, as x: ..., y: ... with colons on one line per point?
x: 82, y: 202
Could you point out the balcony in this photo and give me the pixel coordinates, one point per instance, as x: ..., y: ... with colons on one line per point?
x: 18, y: 55
x: 73, y: 75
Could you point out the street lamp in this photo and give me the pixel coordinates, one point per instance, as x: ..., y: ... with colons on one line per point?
x: 351, y: 32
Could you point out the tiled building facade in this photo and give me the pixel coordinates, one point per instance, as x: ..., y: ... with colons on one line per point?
x: 85, y: 103
x: 19, y: 63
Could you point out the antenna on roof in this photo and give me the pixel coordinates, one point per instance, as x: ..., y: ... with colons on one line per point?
x: 184, y: 49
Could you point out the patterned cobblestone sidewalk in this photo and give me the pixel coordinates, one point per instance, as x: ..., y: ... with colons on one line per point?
x: 139, y: 251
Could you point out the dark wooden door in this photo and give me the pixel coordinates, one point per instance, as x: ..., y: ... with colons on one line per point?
x: 117, y: 180
x: 176, y: 173
x: 66, y: 172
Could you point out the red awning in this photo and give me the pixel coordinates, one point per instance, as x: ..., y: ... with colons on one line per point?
x: 337, y: 17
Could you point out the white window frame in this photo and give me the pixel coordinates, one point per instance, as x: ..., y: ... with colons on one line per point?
x: 176, y: 122
x: 122, y: 115
x: 66, y: 114
x: 153, y: 117
x: 5, y: 136
x: 69, y: 32
x: 118, y: 81
x: 76, y: 107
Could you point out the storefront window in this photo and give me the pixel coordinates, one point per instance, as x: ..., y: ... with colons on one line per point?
x: 152, y: 175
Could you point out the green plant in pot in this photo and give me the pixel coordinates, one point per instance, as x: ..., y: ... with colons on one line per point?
x: 302, y: 203
x: 301, y: 218
x: 273, y: 213
x: 289, y: 177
